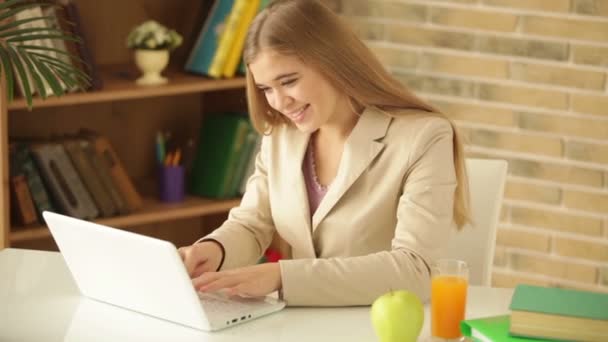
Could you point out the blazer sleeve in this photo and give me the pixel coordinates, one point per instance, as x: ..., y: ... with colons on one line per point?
x: 424, y: 218
x: 249, y: 229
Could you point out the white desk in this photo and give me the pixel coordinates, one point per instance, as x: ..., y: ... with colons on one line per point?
x: 40, y: 302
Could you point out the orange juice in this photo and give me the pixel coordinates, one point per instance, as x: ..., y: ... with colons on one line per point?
x: 448, y: 300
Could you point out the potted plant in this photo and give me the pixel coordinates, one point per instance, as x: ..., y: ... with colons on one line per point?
x: 152, y: 43
x: 21, y: 58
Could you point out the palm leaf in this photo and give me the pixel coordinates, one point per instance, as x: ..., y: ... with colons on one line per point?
x: 36, y: 66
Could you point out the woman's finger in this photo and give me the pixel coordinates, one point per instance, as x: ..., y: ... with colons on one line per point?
x: 221, y: 283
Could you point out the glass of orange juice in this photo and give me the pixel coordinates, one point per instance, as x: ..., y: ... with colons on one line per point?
x: 449, y: 282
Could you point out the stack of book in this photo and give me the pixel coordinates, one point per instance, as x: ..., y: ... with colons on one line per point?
x: 79, y: 176
x: 225, y: 156
x: 546, y: 314
x: 218, y: 49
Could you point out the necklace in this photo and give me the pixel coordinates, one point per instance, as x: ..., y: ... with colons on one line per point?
x: 313, y: 166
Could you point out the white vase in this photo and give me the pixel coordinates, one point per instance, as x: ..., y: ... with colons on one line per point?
x: 151, y: 63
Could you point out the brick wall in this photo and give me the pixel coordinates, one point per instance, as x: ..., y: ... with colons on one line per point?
x: 525, y: 81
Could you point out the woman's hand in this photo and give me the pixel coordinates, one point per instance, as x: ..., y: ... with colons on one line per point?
x: 251, y: 281
x: 201, y: 257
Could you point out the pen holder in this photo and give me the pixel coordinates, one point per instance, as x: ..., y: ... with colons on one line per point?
x: 171, y: 183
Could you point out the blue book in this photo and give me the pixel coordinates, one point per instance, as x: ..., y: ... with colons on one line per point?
x: 206, y: 44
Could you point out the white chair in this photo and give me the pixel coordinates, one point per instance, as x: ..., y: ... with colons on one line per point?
x: 475, y: 243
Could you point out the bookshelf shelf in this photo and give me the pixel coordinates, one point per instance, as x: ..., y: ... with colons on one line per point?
x: 153, y: 211
x: 119, y: 84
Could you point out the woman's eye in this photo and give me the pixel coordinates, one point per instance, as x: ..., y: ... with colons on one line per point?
x: 266, y: 90
x: 289, y: 82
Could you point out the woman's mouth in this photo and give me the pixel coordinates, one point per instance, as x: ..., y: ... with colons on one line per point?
x: 298, y: 116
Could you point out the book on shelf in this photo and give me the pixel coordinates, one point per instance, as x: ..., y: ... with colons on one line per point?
x: 243, y: 20
x: 103, y: 172
x: 250, y: 168
x: 63, y: 181
x: 22, y: 159
x: 557, y: 313
x: 23, y: 211
x: 492, y: 329
x: 77, y: 151
x: 202, y: 53
x: 262, y: 5
x: 117, y: 172
x: 217, y: 155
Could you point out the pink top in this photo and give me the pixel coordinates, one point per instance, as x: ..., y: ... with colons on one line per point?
x: 315, y: 190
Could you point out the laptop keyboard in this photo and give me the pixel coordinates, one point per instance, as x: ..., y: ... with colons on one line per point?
x: 216, y: 303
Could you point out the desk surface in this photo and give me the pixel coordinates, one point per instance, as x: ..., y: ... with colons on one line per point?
x: 40, y: 302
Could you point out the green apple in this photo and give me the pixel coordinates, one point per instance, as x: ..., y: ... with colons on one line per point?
x: 397, y: 316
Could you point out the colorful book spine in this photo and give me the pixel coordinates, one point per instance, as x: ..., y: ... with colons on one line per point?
x: 202, y: 53
x: 38, y: 190
x: 236, y: 50
x: 228, y: 38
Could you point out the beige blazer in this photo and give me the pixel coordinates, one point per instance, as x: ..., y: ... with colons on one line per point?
x: 384, y: 220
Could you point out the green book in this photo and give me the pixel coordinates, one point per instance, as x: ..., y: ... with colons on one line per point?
x: 559, y: 301
x: 557, y: 313
x: 494, y: 329
x: 215, y: 154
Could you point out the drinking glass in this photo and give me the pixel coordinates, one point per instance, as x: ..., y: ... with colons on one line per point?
x: 449, y: 282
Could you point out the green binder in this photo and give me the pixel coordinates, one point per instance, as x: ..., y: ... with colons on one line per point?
x: 494, y: 329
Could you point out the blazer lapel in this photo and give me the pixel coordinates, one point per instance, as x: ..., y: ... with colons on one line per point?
x: 360, y: 150
x: 298, y: 195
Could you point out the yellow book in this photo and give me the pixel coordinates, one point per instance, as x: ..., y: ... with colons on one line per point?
x: 234, y: 56
x: 228, y: 38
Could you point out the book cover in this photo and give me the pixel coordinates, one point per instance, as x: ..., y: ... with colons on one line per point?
x: 63, y: 180
x: 214, y: 153
x: 203, y: 51
x: 234, y: 158
x: 263, y: 4
x: 236, y: 51
x: 557, y: 313
x: 241, y: 168
x: 228, y: 38
x: 250, y: 168
x: 491, y: 329
x: 118, y: 173
x: 559, y: 301
x: 90, y: 178
x: 103, y: 172
x: 22, y: 204
x: 25, y: 162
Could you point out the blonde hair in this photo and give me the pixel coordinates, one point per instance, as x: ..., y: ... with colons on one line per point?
x: 310, y: 31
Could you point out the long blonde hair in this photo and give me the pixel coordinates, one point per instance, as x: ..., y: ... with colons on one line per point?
x: 317, y: 36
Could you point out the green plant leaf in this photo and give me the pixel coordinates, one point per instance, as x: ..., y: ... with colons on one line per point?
x: 23, y: 76
x: 7, y: 66
x: 38, y: 82
x: 48, y: 76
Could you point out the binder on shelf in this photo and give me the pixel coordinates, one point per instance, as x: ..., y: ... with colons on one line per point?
x: 250, y: 168
x: 216, y: 154
x: 228, y: 38
x: 200, y: 58
x: 247, y: 150
x: 63, y: 180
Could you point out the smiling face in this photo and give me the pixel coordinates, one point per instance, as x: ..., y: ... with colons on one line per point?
x: 297, y: 91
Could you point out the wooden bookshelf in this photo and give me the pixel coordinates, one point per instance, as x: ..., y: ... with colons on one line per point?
x: 119, y: 85
x: 153, y: 211
x: 129, y: 116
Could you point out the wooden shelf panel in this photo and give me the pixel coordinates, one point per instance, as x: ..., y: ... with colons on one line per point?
x: 153, y: 211
x: 119, y: 84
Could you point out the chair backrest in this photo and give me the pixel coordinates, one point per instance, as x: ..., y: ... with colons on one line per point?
x: 475, y: 243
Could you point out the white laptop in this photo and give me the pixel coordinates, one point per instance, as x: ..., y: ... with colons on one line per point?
x: 145, y: 275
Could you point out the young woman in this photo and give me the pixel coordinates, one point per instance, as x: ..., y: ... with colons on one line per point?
x: 360, y: 177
